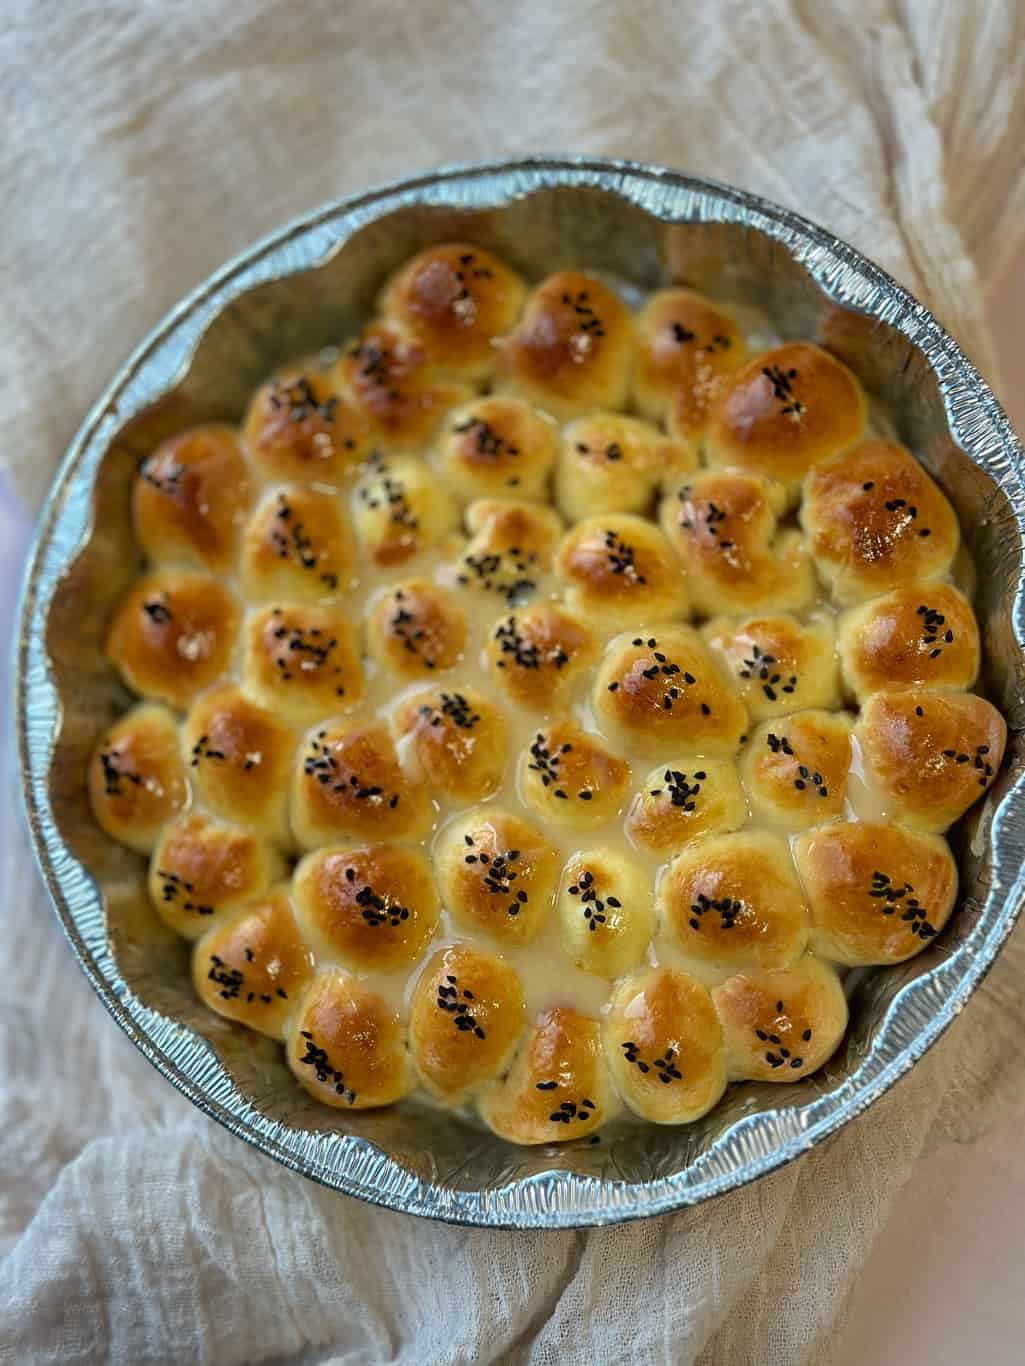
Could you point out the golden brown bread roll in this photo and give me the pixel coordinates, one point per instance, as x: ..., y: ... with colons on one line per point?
x: 416, y: 628
x: 733, y: 902
x: 297, y: 547
x: 346, y: 1046
x: 875, y: 521
x: 302, y: 660
x: 619, y: 570
x: 497, y: 447
x: 386, y: 377
x: 400, y: 508
x: 253, y: 966
x: 300, y: 430
x: 723, y: 526
x: 348, y: 784
x: 611, y: 463
x: 912, y: 635
x: 683, y: 800
x: 173, y: 634
x: 457, y: 300
x: 190, y: 499
x: 929, y: 753
x: 664, y: 693
x: 569, y: 776
x: 785, y: 412
x: 496, y: 873
x: 877, y: 892
x: 606, y: 912
x: 458, y: 739
x: 795, y: 768
x: 201, y: 870
x: 510, y: 549
x: 374, y: 908
x: 664, y: 1046
x: 571, y: 351
x: 558, y: 1087
x: 136, y: 776
x: 537, y: 654
x: 239, y: 756
x: 778, y: 664
x: 783, y: 1025
x: 466, y: 1017
x: 685, y: 348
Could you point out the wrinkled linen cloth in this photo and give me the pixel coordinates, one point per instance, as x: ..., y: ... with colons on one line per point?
x: 145, y: 143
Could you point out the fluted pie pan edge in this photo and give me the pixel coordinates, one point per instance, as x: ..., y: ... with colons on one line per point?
x: 298, y: 291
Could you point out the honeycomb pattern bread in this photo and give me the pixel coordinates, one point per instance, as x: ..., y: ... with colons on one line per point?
x: 489, y: 735
x: 664, y: 1046
x: 572, y: 349
x: 190, y: 499
x: 465, y: 1020
x: 497, y: 447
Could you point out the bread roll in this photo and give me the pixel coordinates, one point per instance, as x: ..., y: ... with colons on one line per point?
x: 572, y: 349
x: 173, y: 635
x: 466, y: 1017
x: 732, y: 901
x: 686, y: 346
x: 136, y: 777
x: 877, y: 891
x: 795, y: 768
x: 416, y: 629
x: 538, y: 654
x: 663, y: 693
x: 400, y: 508
x: 190, y: 499
x: 510, y: 550
x: 875, y: 521
x: 458, y: 301
x: 299, y: 430
x: 298, y: 548
x: 664, y: 1046
x: 930, y: 753
x: 201, y: 870
x: 571, y: 778
x: 558, y: 1087
x: 777, y: 663
x: 374, y: 909
x: 784, y: 413
x: 348, y: 784
x: 783, y: 1025
x: 620, y: 571
x: 496, y: 874
x: 683, y: 800
x: 497, y: 447
x: 723, y: 526
x: 611, y: 463
x: 302, y: 661
x: 910, y: 636
x: 606, y: 912
x: 346, y: 1046
x: 388, y: 380
x: 239, y: 757
x: 253, y: 966
x: 458, y: 740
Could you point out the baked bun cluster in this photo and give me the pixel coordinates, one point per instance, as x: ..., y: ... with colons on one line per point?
x: 539, y: 704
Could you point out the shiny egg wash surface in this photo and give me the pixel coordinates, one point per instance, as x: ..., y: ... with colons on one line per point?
x: 542, y: 704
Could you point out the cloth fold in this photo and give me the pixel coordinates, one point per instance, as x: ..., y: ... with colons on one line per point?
x: 144, y: 144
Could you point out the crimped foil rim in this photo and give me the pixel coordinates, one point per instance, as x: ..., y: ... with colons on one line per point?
x: 752, y: 1146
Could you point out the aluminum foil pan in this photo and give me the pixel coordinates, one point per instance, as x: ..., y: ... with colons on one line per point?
x: 309, y: 286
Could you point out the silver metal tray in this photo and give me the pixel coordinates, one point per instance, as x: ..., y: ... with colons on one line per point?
x: 309, y: 286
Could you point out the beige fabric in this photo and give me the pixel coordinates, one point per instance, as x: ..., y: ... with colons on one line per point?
x: 143, y: 144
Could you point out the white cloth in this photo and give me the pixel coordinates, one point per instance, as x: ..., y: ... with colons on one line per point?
x: 143, y: 144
